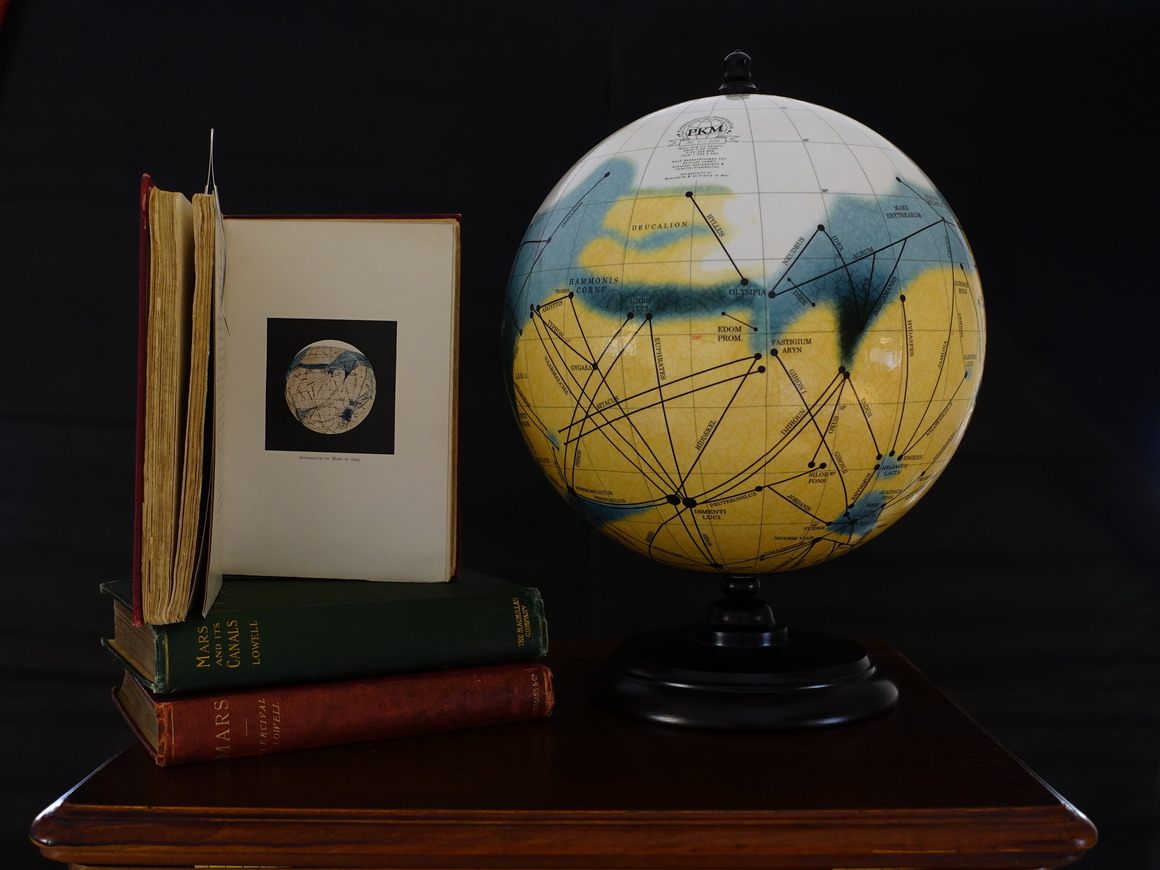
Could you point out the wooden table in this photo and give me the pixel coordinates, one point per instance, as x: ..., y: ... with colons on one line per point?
x: 922, y: 786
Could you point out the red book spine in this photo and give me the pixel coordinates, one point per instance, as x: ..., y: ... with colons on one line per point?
x: 284, y: 718
x: 139, y: 440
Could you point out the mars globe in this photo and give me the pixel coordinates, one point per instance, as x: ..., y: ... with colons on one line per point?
x: 744, y: 334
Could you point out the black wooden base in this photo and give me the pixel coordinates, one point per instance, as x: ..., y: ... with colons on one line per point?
x: 808, y: 679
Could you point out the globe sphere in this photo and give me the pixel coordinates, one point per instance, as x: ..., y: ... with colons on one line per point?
x: 743, y: 334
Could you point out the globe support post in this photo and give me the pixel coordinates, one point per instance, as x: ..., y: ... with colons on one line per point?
x: 739, y: 669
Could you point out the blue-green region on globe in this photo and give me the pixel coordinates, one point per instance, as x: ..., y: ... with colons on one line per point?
x: 330, y: 387
x: 744, y: 334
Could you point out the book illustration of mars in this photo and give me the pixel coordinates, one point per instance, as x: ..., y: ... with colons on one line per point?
x: 330, y: 387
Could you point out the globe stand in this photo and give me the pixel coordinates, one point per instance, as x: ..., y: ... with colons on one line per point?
x: 738, y: 669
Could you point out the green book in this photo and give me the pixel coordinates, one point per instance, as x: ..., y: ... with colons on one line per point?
x: 268, y: 631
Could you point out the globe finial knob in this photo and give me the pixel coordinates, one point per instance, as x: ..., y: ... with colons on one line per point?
x: 738, y: 79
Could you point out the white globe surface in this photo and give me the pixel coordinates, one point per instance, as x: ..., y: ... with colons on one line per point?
x: 744, y: 334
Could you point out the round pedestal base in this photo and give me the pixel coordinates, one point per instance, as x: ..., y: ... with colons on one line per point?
x: 809, y: 680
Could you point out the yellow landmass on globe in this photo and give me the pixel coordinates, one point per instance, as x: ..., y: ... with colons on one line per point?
x: 708, y: 444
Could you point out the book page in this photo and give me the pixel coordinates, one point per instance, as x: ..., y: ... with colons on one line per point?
x: 167, y: 354
x: 193, y: 466
x: 335, y: 374
x: 213, y: 579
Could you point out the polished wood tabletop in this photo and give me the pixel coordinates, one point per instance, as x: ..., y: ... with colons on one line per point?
x: 921, y: 786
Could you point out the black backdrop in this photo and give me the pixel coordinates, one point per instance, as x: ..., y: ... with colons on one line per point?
x: 1025, y: 583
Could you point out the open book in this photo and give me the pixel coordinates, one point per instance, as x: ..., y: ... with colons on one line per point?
x: 296, y: 399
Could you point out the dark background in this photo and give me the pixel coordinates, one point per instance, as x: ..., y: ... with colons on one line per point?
x: 1025, y: 583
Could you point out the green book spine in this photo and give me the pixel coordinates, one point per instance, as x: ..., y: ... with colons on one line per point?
x: 266, y: 631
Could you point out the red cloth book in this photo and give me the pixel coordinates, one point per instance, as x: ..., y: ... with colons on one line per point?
x: 139, y: 438
x: 219, y: 725
x: 201, y: 425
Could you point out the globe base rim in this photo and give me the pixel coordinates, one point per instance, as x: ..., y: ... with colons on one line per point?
x: 811, y: 680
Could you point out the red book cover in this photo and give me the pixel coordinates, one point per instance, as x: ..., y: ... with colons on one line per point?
x: 142, y: 331
x: 270, y: 719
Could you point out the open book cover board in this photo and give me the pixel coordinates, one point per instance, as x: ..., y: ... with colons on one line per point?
x: 296, y: 399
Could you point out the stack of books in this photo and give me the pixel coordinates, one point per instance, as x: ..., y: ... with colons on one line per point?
x: 297, y: 419
x: 286, y: 664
